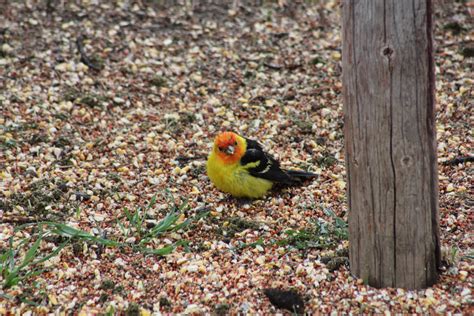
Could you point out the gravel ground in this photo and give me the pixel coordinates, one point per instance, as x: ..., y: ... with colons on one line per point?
x: 108, y: 113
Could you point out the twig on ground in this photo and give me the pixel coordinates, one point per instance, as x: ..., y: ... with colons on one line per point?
x: 280, y: 67
x: 248, y: 59
x: 18, y: 220
x: 84, y: 58
x: 273, y: 66
x: 458, y: 160
x: 184, y: 159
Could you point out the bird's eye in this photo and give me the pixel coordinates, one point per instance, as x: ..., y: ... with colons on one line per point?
x: 235, y: 143
x: 221, y: 148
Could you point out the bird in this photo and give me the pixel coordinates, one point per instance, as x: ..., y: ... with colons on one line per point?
x: 240, y: 166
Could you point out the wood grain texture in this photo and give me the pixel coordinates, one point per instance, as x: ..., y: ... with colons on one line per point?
x: 390, y: 142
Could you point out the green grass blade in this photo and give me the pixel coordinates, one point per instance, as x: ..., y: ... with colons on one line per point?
x: 11, y: 280
x: 190, y: 220
x: 6, y: 260
x: 151, y: 204
x: 165, y: 224
x: 122, y: 228
x: 53, y: 253
x: 31, y: 253
x: 183, y: 205
x: 71, y: 232
x: 128, y: 215
x: 136, y: 217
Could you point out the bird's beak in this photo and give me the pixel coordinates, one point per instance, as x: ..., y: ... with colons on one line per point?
x: 230, y: 150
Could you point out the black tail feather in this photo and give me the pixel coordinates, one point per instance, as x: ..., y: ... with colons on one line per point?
x: 300, y: 175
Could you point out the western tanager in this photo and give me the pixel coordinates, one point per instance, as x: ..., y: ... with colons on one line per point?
x: 239, y: 166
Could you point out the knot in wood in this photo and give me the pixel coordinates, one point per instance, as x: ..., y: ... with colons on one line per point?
x: 387, y: 51
x: 406, y: 161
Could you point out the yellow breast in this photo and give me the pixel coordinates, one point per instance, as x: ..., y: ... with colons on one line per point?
x: 233, y: 179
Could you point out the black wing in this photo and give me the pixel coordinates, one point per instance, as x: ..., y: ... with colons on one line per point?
x: 267, y: 168
x: 252, y: 144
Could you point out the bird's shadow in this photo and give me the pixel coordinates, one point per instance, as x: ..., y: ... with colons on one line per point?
x: 238, y: 201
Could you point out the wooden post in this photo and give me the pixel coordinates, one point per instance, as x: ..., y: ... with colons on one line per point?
x: 390, y: 140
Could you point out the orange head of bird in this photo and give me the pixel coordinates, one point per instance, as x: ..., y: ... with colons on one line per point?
x: 229, y: 147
